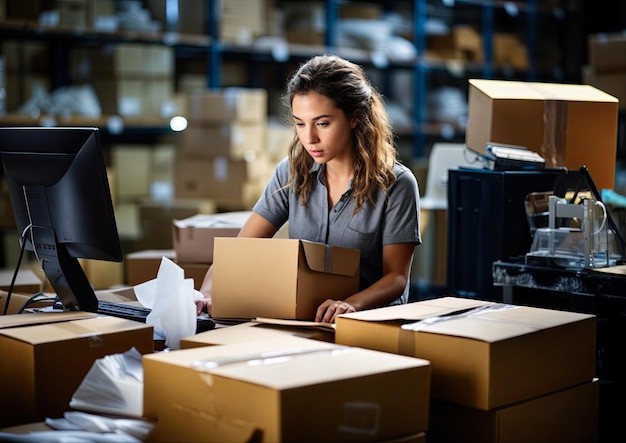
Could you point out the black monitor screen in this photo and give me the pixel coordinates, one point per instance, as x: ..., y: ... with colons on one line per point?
x: 60, y: 195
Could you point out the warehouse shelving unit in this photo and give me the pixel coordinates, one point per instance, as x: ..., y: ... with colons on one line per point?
x: 207, y: 48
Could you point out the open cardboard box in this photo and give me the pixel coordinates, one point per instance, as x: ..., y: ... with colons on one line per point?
x: 285, y: 389
x: 257, y: 330
x: 42, y: 365
x: 484, y: 355
x: 279, y: 278
x: 193, y: 237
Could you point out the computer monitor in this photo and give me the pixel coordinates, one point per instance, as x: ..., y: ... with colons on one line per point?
x: 60, y: 195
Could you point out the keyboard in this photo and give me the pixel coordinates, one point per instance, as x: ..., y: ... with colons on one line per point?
x: 139, y: 313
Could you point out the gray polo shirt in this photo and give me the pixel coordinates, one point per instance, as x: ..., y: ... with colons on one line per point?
x: 394, y: 218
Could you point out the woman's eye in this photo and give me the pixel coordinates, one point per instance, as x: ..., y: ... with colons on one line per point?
x: 322, y: 124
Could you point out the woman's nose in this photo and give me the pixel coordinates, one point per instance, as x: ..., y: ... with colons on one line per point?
x: 311, y: 135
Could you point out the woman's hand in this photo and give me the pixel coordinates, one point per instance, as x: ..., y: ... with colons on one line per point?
x: 204, y: 305
x: 327, y: 311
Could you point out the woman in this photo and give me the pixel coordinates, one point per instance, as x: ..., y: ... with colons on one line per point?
x: 341, y: 184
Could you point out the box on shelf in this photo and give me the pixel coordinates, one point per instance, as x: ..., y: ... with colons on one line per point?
x: 42, y: 365
x: 567, y: 415
x: 237, y: 183
x: 279, y: 278
x: 309, y: 391
x: 193, y: 236
x: 228, y: 105
x: 484, y: 355
x: 253, y: 331
x: 607, y: 52
x: 613, y: 83
x: 234, y: 140
x: 568, y: 125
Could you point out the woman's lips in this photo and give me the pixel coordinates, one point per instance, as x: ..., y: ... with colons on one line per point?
x: 316, y: 153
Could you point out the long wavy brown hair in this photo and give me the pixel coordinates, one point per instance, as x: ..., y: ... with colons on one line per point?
x: 346, y: 84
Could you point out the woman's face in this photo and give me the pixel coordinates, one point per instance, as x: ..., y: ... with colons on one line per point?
x: 323, y: 129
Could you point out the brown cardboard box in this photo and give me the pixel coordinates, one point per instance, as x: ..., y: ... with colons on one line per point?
x: 228, y: 105
x: 236, y: 183
x: 41, y: 366
x: 607, y: 52
x: 156, y: 217
x: 143, y: 266
x: 103, y: 274
x: 568, y: 125
x: 568, y: 415
x: 193, y: 236
x: 613, y: 83
x: 234, y: 140
x: 490, y: 357
x: 287, y: 389
x: 462, y: 43
x: 279, y: 278
x: 253, y: 331
x: 26, y: 282
x: 19, y: 303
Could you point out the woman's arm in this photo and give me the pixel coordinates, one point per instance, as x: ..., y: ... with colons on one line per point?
x: 397, y: 260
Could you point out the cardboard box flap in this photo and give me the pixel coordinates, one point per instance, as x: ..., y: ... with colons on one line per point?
x: 56, y: 332
x: 494, y: 322
x: 40, y: 318
x: 512, y: 90
x: 295, y: 323
x: 331, y: 260
x: 256, y: 362
x: 412, y: 312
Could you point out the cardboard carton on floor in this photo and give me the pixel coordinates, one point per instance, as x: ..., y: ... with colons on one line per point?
x: 252, y: 331
x: 279, y: 278
x: 484, y: 355
x: 286, y: 389
x: 42, y: 365
x: 568, y: 125
x: 566, y: 415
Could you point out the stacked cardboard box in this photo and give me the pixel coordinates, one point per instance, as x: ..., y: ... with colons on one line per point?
x: 285, y: 389
x: 462, y: 43
x: 241, y: 21
x: 221, y: 154
x: 607, y: 65
x: 45, y: 356
x: 500, y: 373
x: 133, y: 80
x: 26, y: 67
x: 144, y: 194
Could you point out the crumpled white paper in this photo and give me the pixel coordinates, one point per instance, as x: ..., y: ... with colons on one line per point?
x: 79, y: 426
x: 113, y: 385
x: 171, y: 298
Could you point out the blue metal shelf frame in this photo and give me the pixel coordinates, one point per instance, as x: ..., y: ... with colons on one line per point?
x: 214, y: 54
